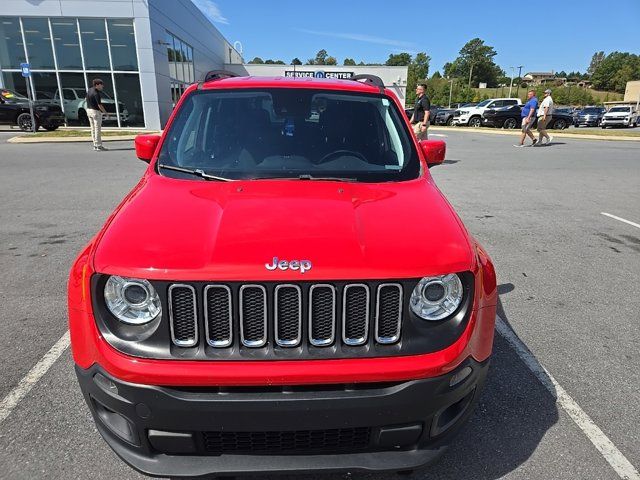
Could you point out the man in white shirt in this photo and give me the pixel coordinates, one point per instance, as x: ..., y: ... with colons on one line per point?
x: 544, y: 116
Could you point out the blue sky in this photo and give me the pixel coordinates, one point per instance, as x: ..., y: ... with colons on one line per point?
x: 561, y: 38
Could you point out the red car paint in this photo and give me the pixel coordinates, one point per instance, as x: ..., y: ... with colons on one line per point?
x: 175, y: 229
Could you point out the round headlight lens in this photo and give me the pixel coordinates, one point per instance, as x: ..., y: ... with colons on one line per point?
x: 435, y: 298
x: 132, y: 301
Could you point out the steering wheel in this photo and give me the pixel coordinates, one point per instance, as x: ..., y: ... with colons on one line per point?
x: 339, y: 153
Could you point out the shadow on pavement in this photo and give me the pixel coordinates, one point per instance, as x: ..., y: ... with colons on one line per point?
x: 513, y: 415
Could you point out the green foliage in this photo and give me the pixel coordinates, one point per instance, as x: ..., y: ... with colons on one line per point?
x: 596, y: 60
x: 398, y: 60
x: 438, y: 89
x: 568, y: 95
x: 476, y: 59
x: 615, y: 70
x: 330, y: 61
x: 349, y: 61
x: 320, y: 59
x: 417, y: 72
x: 256, y: 60
x: 436, y: 74
x: 296, y: 61
x: 273, y: 62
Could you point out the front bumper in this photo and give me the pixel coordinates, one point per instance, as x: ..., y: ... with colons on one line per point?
x: 460, y: 121
x: 606, y: 122
x: 167, y: 431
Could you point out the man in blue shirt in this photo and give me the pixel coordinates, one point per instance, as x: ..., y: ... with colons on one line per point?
x: 528, y: 115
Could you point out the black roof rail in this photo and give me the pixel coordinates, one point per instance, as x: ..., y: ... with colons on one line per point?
x: 217, y: 75
x: 370, y: 79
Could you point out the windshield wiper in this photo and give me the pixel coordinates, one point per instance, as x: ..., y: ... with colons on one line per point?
x: 196, y: 172
x: 334, y: 179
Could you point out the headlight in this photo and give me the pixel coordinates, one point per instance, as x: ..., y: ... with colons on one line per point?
x: 132, y: 301
x: 435, y: 298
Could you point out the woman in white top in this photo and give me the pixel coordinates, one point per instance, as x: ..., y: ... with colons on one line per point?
x: 544, y: 116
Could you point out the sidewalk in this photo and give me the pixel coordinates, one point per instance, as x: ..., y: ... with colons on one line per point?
x: 553, y: 133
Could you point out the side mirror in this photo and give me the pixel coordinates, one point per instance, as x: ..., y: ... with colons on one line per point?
x: 146, y: 146
x: 434, y: 151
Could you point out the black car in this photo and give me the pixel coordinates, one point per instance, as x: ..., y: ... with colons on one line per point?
x: 445, y: 115
x: 14, y: 110
x: 509, y: 118
x: 589, y: 117
x: 433, y: 112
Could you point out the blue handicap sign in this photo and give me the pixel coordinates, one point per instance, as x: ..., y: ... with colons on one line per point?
x: 26, y: 69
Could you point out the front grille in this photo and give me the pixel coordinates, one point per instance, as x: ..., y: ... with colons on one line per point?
x: 253, y: 315
x: 183, y: 315
x: 338, y: 440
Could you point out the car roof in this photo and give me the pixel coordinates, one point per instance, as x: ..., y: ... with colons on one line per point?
x: 290, y: 82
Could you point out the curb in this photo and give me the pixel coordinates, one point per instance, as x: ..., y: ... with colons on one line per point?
x: 553, y: 133
x: 26, y: 139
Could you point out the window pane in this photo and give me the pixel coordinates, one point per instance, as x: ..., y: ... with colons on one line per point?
x: 65, y: 37
x: 191, y: 70
x: 15, y: 82
x: 129, y: 96
x: 46, y: 87
x: 123, y: 44
x: 94, y: 44
x: 73, y: 92
x: 171, y: 55
x: 185, y: 68
x: 11, y: 47
x: 36, y: 33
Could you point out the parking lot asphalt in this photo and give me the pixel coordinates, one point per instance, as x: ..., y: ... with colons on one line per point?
x: 569, y: 288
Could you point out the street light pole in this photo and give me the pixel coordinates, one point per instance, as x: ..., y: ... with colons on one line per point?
x: 450, y: 91
x: 513, y: 72
x: 519, y: 80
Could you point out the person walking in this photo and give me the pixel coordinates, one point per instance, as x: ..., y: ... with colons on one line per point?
x: 95, y: 110
x: 528, y: 117
x: 421, y: 112
x: 545, y: 112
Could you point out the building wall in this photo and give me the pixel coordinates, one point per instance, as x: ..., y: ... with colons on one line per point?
x: 394, y: 78
x: 184, y: 20
x: 632, y: 92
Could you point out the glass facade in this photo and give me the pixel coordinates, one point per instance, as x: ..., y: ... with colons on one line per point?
x: 181, y: 69
x: 66, y: 54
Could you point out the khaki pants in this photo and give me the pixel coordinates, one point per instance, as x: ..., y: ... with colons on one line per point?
x: 420, y: 135
x: 542, y: 126
x: 95, y: 122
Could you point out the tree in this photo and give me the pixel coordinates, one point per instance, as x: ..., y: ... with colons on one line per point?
x: 398, y: 60
x: 596, y: 60
x: 320, y: 59
x: 256, y: 60
x: 475, y: 63
x: 417, y: 72
x: 330, y: 61
x: 615, y: 70
x: 296, y: 61
x: 349, y: 61
x: 436, y: 74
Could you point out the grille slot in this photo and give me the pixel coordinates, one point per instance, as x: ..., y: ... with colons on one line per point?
x: 253, y: 316
x: 288, y: 315
x: 338, y: 440
x: 218, y: 315
x: 355, y: 314
x: 388, y: 313
x: 183, y: 317
x: 322, y: 315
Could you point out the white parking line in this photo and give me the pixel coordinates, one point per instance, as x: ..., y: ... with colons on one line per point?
x: 437, y: 135
x: 609, y: 451
x: 30, y: 379
x: 620, y: 219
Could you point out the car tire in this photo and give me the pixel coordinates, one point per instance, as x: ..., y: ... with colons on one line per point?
x: 24, y: 122
x: 510, y: 123
x: 475, y: 122
x: 51, y: 128
x: 559, y: 125
x: 449, y: 121
x: 604, y: 127
x: 83, y: 119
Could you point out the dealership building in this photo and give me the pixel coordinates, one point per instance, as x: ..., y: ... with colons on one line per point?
x: 146, y: 52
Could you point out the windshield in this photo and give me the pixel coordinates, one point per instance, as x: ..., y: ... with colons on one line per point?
x: 591, y: 110
x: 484, y: 104
x: 278, y: 133
x: 620, y: 109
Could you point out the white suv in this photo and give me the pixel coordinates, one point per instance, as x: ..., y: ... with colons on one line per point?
x: 621, y: 116
x: 75, y: 105
x: 472, y: 116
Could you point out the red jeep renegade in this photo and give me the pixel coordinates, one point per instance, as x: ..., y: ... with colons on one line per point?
x: 285, y: 289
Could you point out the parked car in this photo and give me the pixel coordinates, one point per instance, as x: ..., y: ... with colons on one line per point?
x: 589, y: 117
x: 277, y: 324
x: 14, y: 110
x: 510, y: 117
x: 433, y: 112
x: 620, y: 116
x: 75, y: 105
x: 472, y: 116
x: 445, y: 115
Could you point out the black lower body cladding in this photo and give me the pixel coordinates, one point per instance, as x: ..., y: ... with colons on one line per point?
x: 199, y: 431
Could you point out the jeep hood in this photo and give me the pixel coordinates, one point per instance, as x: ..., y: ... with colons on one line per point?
x: 191, y: 230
